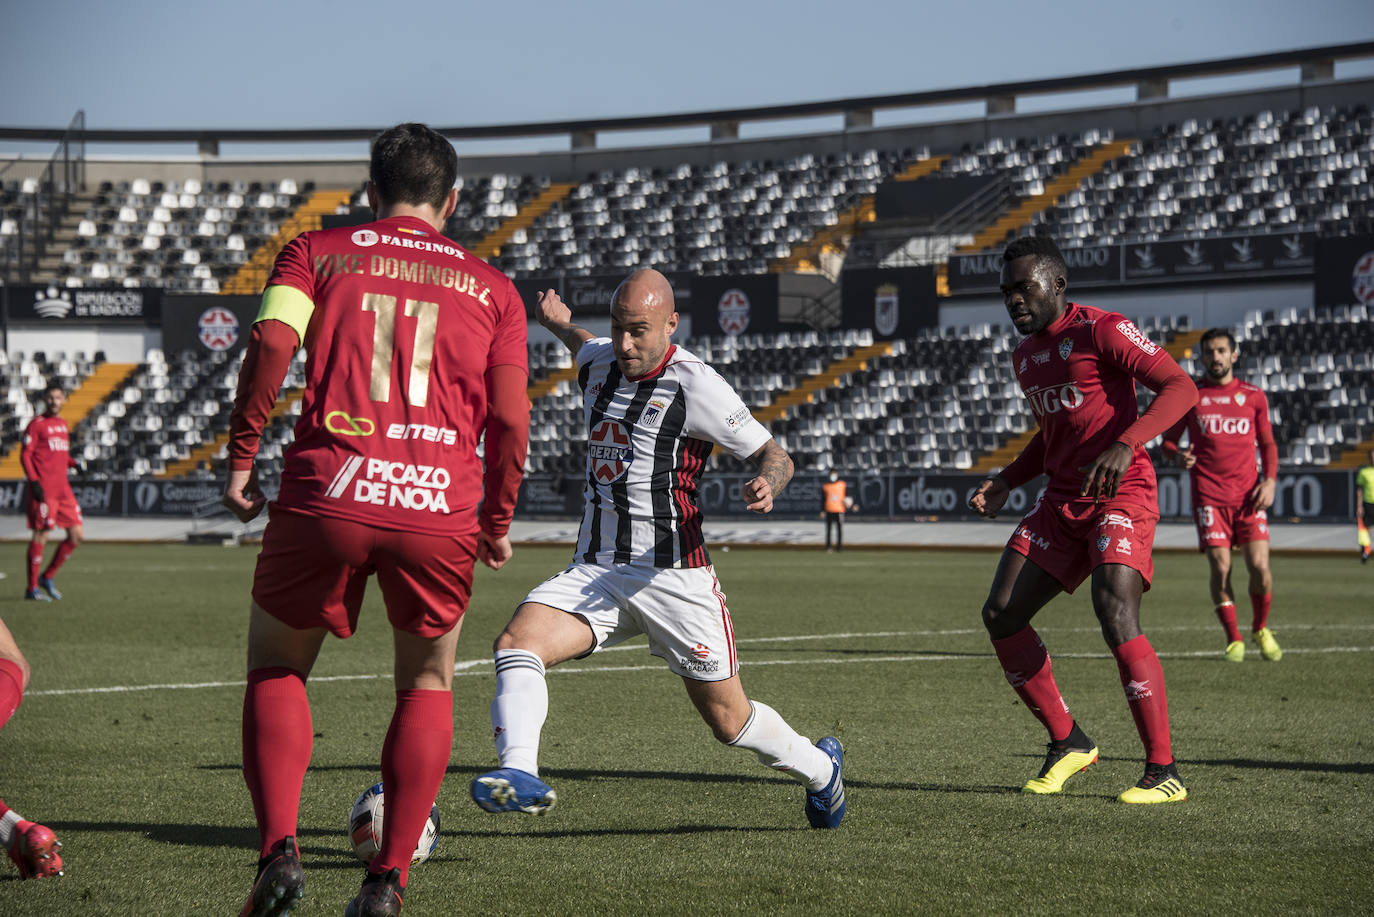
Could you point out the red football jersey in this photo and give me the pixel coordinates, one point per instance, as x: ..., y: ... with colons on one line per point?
x: 404, y: 328
x: 45, y: 455
x: 1079, y: 377
x: 1223, y: 430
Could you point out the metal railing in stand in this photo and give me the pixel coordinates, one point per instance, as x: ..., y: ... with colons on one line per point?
x: 64, y: 175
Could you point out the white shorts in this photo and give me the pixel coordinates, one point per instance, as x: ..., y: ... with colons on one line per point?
x: 681, y: 610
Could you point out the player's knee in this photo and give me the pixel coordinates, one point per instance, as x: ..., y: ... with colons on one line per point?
x: 1118, y: 620
x: 506, y: 641
x: 1000, y: 620
x: 725, y: 728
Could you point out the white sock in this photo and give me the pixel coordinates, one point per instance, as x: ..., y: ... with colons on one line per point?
x: 780, y: 747
x: 7, y: 823
x: 521, y: 705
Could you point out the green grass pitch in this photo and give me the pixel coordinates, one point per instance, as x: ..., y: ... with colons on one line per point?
x: 127, y: 744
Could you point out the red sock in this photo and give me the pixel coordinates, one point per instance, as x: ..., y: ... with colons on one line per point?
x: 64, y: 550
x: 1027, y: 666
x: 1260, y: 603
x: 1226, y: 614
x: 35, y: 564
x: 11, y: 691
x: 414, y: 758
x: 277, y: 740
x: 1143, y: 678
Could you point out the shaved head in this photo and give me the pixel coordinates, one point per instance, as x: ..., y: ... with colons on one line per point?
x: 642, y: 321
x: 645, y: 288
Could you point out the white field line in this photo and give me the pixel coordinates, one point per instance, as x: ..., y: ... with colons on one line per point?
x: 470, y: 667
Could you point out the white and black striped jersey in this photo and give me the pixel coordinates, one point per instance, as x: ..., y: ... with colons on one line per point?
x: 647, y: 443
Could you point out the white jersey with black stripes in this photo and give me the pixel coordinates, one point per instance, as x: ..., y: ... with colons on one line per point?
x: 648, y: 439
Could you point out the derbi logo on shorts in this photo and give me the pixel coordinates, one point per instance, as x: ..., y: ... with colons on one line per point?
x: 414, y: 487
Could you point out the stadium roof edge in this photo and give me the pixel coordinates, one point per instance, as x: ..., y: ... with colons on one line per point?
x: 1317, y: 63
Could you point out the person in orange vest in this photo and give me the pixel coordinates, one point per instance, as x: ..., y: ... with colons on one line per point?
x: 836, y: 503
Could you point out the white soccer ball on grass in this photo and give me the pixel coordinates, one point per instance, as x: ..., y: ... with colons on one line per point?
x: 365, y: 827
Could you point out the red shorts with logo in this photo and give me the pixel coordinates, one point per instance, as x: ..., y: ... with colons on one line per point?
x: 1070, y: 540
x: 312, y: 572
x: 60, y: 511
x: 1229, y: 526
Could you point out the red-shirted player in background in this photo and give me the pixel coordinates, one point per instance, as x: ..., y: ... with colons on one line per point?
x: 46, y: 458
x: 416, y: 350
x: 31, y: 846
x: 1229, y: 496
x: 1078, y: 366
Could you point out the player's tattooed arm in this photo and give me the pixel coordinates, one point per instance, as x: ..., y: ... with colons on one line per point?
x: 555, y: 315
x: 775, y: 469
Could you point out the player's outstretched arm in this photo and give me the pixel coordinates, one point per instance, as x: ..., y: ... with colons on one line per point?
x: 1175, y: 395
x: 555, y: 315
x: 775, y: 469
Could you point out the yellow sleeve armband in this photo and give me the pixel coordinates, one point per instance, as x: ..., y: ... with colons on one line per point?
x: 289, y: 305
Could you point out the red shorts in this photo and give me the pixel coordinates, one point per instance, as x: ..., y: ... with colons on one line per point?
x: 61, y: 511
x: 312, y: 572
x: 1229, y: 526
x: 1070, y: 540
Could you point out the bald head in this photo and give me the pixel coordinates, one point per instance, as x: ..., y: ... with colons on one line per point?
x: 642, y: 321
x: 644, y: 289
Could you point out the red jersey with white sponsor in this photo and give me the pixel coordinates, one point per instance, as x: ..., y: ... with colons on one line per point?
x: 1223, y: 430
x: 1079, y: 377
x: 46, y: 452
x: 404, y: 328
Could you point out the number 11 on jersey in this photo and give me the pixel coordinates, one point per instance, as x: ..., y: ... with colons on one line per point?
x: 384, y: 346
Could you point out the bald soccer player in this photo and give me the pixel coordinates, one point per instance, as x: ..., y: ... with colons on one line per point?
x: 653, y: 412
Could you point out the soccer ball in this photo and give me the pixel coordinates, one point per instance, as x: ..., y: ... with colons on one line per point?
x: 365, y: 827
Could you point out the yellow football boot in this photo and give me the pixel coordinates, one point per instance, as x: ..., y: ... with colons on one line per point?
x: 1160, y: 784
x: 1071, y: 755
x: 1269, y: 647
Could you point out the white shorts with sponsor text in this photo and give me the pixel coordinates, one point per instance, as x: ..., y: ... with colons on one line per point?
x: 681, y: 610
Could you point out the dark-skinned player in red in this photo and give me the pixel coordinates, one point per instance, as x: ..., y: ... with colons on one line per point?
x: 1078, y: 366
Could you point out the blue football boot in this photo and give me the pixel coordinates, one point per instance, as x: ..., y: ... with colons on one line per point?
x: 825, y: 808
x: 45, y: 582
x: 509, y: 789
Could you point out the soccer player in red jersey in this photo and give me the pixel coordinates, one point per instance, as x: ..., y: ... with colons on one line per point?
x: 1229, y: 496
x: 31, y: 846
x: 46, y: 456
x: 1078, y: 366
x: 416, y: 351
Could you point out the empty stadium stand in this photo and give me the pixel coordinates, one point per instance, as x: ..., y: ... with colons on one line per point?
x: 944, y: 399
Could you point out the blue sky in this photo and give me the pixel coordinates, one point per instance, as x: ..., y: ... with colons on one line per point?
x: 253, y: 63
